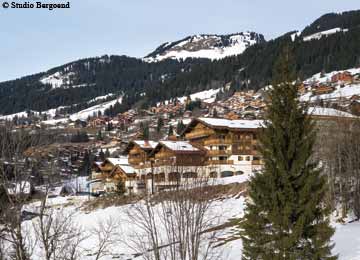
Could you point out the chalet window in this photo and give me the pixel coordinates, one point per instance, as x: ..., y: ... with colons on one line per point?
x: 247, y: 158
x: 240, y: 158
x: 222, y: 147
x: 256, y: 158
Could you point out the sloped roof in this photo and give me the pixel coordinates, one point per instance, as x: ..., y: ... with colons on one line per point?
x: 118, y: 161
x: 180, y: 146
x: 146, y: 144
x: 329, y: 112
x: 232, y: 124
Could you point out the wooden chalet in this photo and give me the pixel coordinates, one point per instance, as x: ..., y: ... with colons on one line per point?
x: 227, y: 142
x: 345, y: 77
x: 107, y: 175
x: 139, y: 152
x: 322, y: 89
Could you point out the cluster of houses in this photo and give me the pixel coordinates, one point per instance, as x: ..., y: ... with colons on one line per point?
x: 210, y: 147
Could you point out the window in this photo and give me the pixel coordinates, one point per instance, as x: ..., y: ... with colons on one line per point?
x: 240, y: 158
x: 247, y: 158
x: 227, y: 174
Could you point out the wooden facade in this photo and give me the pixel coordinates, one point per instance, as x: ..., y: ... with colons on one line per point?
x: 223, y: 142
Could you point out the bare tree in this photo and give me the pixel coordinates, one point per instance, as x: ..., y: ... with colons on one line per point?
x: 172, y: 224
x: 16, y: 185
x: 106, y: 234
x: 338, y: 149
x: 58, y: 236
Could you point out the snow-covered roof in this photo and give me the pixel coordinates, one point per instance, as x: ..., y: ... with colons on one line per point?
x: 127, y: 169
x: 146, y: 144
x: 118, y: 161
x: 183, y: 146
x: 236, y: 124
x: 325, y: 111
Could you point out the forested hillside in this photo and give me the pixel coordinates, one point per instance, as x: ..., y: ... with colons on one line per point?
x: 144, y: 83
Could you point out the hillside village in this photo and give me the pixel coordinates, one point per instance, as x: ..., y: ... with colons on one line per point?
x: 212, y: 146
x: 210, y: 134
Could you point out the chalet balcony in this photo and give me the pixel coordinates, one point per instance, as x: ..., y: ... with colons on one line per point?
x: 217, y: 141
x: 219, y: 162
x: 199, y: 133
x: 135, y: 160
x: 164, y: 155
x: 164, y: 163
x: 134, y: 152
x: 219, y: 152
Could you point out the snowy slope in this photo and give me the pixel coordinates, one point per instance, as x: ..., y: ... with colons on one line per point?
x: 346, y: 237
x: 339, y: 92
x: 84, y: 114
x: 205, y: 46
x: 207, y: 96
x: 317, y: 36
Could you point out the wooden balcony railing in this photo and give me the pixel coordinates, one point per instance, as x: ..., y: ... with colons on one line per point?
x: 135, y: 160
x: 163, y: 155
x: 199, y: 133
x: 216, y: 141
x: 134, y: 152
x: 164, y: 163
x: 219, y: 152
x: 219, y: 162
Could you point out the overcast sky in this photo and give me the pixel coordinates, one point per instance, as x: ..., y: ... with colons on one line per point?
x: 35, y: 40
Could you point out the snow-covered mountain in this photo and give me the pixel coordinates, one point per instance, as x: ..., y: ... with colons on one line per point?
x: 208, y: 46
x: 318, y: 35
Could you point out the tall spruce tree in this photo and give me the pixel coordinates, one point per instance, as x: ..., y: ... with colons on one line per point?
x: 286, y: 215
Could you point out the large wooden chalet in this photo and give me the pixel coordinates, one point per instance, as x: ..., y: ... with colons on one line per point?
x: 231, y: 145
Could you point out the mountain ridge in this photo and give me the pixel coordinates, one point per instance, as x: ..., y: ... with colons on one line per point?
x: 143, y: 83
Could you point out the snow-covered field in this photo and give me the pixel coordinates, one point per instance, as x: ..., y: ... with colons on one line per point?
x: 346, y: 238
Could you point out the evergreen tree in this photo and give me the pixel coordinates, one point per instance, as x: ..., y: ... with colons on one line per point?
x: 215, y: 114
x: 171, y: 131
x: 85, y: 169
x: 145, y: 133
x: 160, y: 124
x: 286, y: 215
x: 180, y: 127
x: 120, y: 187
x: 107, y: 153
x: 102, y: 155
x: 99, y: 136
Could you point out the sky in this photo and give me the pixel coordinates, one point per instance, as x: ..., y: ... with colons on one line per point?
x: 35, y: 40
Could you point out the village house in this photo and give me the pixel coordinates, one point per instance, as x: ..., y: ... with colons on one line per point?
x: 231, y: 145
x: 344, y: 77
x: 139, y: 151
x: 107, y: 175
x: 322, y: 89
x: 172, y: 162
